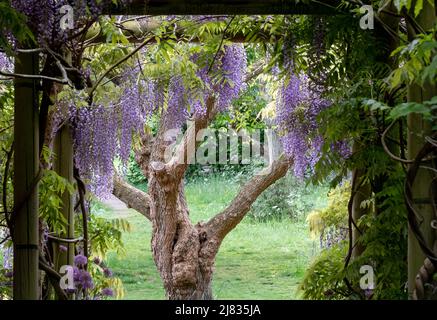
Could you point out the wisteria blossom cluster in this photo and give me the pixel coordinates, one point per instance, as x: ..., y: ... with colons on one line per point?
x: 129, y: 119
x: 176, y: 112
x: 233, y: 66
x: 6, y: 63
x: 82, y: 278
x: 44, y: 16
x: 84, y: 281
x: 297, y: 109
x: 140, y: 98
x: 95, y: 146
x: 298, y: 105
x: 224, y: 79
x: 103, y: 132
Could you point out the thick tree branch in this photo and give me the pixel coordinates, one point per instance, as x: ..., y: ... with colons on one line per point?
x: 132, y: 197
x: 256, y: 71
x: 187, y: 148
x: 221, y: 224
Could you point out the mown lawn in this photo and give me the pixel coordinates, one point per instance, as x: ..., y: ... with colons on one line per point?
x: 256, y: 260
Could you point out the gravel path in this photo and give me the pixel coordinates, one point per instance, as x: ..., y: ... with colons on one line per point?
x: 118, y: 207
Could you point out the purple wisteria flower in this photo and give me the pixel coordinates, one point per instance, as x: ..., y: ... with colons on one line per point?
x: 176, y: 112
x: 63, y: 248
x: 44, y: 17
x: 107, y: 272
x: 80, y: 260
x: 6, y: 63
x: 297, y: 109
x: 97, y: 260
x: 343, y: 148
x: 82, y: 278
x: 233, y: 66
x: 85, y: 280
x: 108, y: 292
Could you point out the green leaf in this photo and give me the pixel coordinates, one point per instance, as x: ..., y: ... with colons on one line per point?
x: 395, y: 78
x: 429, y: 72
x: 375, y: 105
x: 418, y: 7
x: 405, y: 109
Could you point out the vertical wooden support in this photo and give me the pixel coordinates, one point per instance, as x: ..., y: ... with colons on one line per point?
x: 26, y: 165
x: 418, y: 129
x: 63, y: 165
x: 362, y: 191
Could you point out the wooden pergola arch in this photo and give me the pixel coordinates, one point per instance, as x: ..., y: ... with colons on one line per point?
x: 26, y: 133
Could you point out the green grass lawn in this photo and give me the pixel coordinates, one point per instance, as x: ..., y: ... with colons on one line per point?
x: 256, y: 260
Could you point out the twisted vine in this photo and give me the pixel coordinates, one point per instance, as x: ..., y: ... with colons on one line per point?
x: 427, y: 271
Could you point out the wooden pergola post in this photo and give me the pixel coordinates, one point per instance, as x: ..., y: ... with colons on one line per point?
x: 418, y: 129
x: 63, y: 165
x: 26, y: 165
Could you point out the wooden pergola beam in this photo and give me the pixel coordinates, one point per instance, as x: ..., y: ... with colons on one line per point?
x: 225, y: 7
x: 135, y: 31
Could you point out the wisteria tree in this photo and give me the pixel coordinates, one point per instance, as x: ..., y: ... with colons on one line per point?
x: 184, y: 253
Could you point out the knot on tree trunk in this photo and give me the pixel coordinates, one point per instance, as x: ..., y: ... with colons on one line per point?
x: 185, y: 257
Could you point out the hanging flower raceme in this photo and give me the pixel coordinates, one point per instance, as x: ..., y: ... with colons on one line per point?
x: 44, y: 16
x: 139, y: 100
x: 297, y: 109
x: 102, y: 133
x: 6, y: 63
x: 233, y: 66
x: 152, y: 97
x: 82, y: 278
x: 176, y: 112
x: 224, y: 79
x: 95, y: 143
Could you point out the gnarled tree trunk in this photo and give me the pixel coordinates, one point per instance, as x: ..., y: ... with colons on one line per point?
x: 184, y: 253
